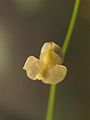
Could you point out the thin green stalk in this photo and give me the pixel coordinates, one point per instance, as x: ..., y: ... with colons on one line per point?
x: 71, y: 26
x: 50, y: 107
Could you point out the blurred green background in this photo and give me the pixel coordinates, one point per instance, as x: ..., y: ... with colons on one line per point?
x: 24, y: 27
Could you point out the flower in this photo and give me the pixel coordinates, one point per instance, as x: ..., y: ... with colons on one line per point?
x: 48, y: 67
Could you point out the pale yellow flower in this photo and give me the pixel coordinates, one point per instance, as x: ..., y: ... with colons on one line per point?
x: 48, y: 67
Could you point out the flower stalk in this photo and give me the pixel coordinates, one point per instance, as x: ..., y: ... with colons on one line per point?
x: 51, y: 99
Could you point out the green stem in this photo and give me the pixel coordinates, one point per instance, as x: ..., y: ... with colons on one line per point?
x: 71, y: 26
x: 50, y: 107
x: 51, y: 102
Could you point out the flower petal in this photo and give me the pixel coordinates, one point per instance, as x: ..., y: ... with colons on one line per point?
x: 52, y: 53
x: 55, y: 75
x: 32, y: 67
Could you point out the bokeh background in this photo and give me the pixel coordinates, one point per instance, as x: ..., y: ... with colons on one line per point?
x: 24, y: 27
